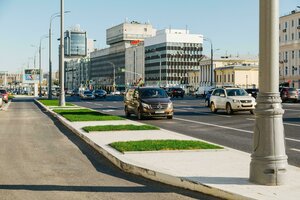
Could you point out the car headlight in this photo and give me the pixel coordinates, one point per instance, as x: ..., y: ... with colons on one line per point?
x: 170, y: 105
x: 146, y: 105
x: 235, y: 101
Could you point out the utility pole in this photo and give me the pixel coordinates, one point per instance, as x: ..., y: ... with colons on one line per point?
x: 268, y: 160
x: 62, y: 101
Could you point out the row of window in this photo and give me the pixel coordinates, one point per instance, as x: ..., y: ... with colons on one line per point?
x: 222, y: 78
x: 292, y: 23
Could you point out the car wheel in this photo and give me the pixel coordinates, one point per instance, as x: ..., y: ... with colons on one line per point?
x: 229, y: 110
x: 127, y: 113
x: 139, y: 114
x: 252, y: 112
x: 212, y: 107
x: 170, y: 117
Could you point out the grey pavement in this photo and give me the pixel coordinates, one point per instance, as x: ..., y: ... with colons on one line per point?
x: 42, y: 159
x: 222, y: 173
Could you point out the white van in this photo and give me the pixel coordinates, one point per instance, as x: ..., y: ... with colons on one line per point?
x: 202, y: 91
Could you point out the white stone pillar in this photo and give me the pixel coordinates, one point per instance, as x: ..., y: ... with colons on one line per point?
x: 269, y: 160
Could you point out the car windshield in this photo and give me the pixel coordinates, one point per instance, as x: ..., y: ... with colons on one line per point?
x: 153, y: 93
x: 236, y: 92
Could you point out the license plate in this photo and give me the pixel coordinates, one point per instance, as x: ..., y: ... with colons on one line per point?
x: 159, y: 111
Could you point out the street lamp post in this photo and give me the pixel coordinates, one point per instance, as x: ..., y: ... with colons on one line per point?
x: 62, y: 101
x: 211, y: 61
x: 268, y: 160
x: 50, y: 51
x: 40, y: 64
x: 114, y: 75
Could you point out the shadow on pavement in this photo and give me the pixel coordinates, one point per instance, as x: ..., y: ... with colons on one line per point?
x: 103, y: 165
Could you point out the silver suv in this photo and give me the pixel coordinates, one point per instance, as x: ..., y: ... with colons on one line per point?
x: 231, y: 100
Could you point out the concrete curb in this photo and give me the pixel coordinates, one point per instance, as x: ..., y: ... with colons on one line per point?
x: 148, y: 173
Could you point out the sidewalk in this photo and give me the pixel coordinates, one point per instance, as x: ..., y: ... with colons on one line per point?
x: 223, y: 173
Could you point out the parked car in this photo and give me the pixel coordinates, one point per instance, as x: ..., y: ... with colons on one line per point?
x: 298, y: 90
x: 289, y: 94
x: 175, y: 92
x: 100, y: 93
x: 232, y: 100
x: 253, y: 91
x: 4, y: 94
x: 87, y: 95
x: 148, y: 102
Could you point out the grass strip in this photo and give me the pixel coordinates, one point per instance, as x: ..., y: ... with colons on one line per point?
x: 75, y: 115
x: 126, y: 127
x: 52, y: 102
x: 157, y: 145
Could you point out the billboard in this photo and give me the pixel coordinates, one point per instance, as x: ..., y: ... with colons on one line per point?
x: 31, y: 76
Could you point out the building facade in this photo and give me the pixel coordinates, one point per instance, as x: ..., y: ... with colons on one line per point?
x: 170, y: 56
x: 244, y: 76
x: 122, y: 63
x: 289, y: 48
x: 202, y: 77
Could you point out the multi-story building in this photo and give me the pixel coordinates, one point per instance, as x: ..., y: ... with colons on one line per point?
x: 77, y: 65
x: 245, y: 76
x: 289, y: 48
x: 170, y: 56
x: 123, y: 62
x: 202, y: 77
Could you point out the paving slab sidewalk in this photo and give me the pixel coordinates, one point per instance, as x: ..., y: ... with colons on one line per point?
x: 222, y: 173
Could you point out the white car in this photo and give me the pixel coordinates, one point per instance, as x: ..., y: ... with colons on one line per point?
x: 231, y: 100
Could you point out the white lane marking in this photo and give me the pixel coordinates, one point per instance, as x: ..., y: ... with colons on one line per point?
x: 293, y: 110
x: 201, y: 113
x: 293, y: 149
x: 107, y: 110
x: 215, y: 125
x: 291, y: 139
x: 283, y: 122
x: 89, y: 102
x: 226, y: 127
x: 98, y: 104
x: 112, y: 107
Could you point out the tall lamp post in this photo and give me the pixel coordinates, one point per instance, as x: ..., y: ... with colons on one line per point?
x: 50, y: 51
x: 211, y: 61
x: 40, y: 64
x: 62, y: 100
x: 114, y: 75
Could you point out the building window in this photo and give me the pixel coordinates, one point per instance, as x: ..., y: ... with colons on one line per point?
x: 298, y: 35
x: 293, y: 70
x: 292, y: 23
x: 285, y: 37
x: 232, y: 78
x: 293, y: 54
x: 286, y: 56
x: 228, y: 77
x: 286, y: 71
x: 292, y: 36
x: 285, y: 24
x: 299, y: 22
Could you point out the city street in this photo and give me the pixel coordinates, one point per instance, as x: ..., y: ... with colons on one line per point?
x: 193, y: 118
x: 41, y: 159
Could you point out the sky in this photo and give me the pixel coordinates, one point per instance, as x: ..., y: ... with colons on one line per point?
x: 231, y: 25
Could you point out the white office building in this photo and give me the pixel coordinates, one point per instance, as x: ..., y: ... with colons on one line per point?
x: 170, y: 55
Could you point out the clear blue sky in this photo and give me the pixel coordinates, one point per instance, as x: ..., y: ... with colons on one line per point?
x: 232, y: 25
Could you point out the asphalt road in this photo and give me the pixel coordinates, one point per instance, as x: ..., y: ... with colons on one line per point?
x: 41, y: 159
x: 193, y: 118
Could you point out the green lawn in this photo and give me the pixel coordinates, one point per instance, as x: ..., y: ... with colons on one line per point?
x: 126, y: 127
x: 75, y: 115
x: 52, y: 102
x: 156, y: 145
